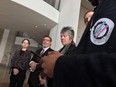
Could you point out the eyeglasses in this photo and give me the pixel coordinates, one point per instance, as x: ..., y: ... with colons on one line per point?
x: 46, y: 40
x: 25, y: 42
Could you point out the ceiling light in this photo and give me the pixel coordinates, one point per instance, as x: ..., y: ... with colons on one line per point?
x: 36, y: 26
x: 44, y: 24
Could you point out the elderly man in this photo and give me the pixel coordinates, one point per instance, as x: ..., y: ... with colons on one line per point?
x: 35, y: 67
x: 67, y: 35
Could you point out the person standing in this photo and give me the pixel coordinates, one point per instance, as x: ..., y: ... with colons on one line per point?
x: 20, y: 64
x: 67, y: 35
x: 34, y: 77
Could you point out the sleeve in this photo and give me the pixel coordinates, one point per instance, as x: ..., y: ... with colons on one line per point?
x: 14, y: 60
x: 85, y: 69
x: 29, y: 59
x: 39, y: 68
x: 35, y: 57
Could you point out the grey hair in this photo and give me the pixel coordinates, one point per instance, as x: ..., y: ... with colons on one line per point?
x: 68, y: 30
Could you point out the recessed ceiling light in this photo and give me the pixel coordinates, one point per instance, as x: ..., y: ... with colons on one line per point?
x: 44, y: 24
x: 36, y: 26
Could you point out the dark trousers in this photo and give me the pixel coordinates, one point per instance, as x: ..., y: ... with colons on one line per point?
x: 30, y: 85
x: 17, y: 80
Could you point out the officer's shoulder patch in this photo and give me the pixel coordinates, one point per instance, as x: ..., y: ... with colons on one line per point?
x: 101, y: 31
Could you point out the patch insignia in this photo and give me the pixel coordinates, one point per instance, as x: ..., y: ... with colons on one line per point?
x: 101, y: 31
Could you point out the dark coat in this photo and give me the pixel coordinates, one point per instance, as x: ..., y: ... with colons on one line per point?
x: 70, y: 49
x: 93, y: 63
x: 21, y: 59
x: 34, y: 76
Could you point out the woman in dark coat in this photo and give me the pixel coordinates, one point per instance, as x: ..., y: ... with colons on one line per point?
x: 20, y: 64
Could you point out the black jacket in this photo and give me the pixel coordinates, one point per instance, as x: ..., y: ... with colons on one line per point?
x: 70, y: 49
x: 93, y: 63
x: 34, y: 76
x: 21, y: 59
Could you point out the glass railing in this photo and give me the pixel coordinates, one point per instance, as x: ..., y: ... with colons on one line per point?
x: 54, y: 3
x: 22, y: 34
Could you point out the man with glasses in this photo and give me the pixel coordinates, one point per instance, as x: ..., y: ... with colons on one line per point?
x: 36, y: 70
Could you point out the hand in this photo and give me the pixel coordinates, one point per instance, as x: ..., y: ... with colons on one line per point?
x: 15, y: 71
x: 42, y: 80
x: 33, y: 65
x: 48, y: 62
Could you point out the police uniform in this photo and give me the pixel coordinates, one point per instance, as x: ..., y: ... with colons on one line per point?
x: 93, y: 63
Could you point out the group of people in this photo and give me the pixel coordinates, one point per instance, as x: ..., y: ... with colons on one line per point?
x: 91, y: 64
x: 22, y: 61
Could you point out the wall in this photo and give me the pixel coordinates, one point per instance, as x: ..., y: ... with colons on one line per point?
x: 1, y: 34
x: 3, y: 43
x: 69, y: 16
x: 8, y: 52
x: 82, y: 25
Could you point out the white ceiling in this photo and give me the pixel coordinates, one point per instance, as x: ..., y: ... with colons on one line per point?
x: 16, y: 17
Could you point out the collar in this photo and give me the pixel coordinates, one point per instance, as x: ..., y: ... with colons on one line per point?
x: 46, y: 48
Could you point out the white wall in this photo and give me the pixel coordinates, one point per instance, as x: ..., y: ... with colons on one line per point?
x: 82, y: 25
x: 69, y: 16
x: 53, y: 35
x: 3, y: 43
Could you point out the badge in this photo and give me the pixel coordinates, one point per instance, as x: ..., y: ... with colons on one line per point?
x: 101, y: 31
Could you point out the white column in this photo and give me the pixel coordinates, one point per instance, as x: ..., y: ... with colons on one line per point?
x: 69, y: 16
x: 3, y: 43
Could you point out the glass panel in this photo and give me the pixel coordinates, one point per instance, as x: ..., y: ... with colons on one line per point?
x: 22, y: 34
x: 54, y: 3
